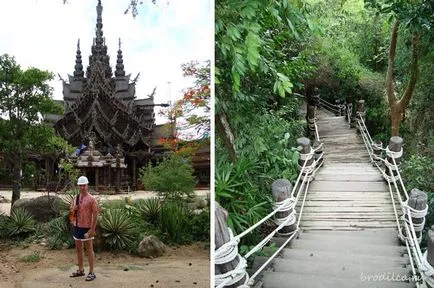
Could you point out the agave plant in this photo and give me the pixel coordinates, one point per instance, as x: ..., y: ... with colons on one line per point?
x: 59, y: 232
x: 118, y: 229
x: 20, y: 223
x: 148, y: 210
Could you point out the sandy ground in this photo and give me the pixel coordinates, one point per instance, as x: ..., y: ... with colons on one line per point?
x: 182, y: 267
x: 6, y: 207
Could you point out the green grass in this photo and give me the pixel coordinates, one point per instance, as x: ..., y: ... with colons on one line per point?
x: 34, y: 257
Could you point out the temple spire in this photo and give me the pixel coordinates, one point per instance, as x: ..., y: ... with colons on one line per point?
x: 120, y: 72
x: 99, y: 40
x: 99, y: 49
x: 78, y: 71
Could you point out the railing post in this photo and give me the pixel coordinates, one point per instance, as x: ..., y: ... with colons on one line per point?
x: 418, y: 201
x: 311, y: 121
x: 222, y: 236
x: 349, y: 111
x: 361, y: 109
x: 377, y: 148
x: 315, y: 98
x: 338, y: 104
x: 281, y: 189
x: 304, y: 155
x: 360, y: 113
x: 395, y: 147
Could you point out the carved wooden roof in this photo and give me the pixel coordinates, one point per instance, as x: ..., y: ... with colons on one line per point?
x: 104, y: 104
x: 99, y: 111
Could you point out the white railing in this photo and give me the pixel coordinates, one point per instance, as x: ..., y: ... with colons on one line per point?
x: 418, y: 260
x: 229, y: 250
x: 349, y: 109
x: 335, y: 108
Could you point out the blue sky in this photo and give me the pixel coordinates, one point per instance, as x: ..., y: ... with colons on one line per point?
x: 44, y: 33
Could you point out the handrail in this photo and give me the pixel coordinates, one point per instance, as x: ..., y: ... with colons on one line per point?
x: 331, y: 107
x: 349, y: 108
x: 411, y: 240
x: 305, y: 175
x: 316, y: 133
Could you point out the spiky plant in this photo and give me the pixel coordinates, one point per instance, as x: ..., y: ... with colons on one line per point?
x: 148, y: 210
x: 59, y: 233
x: 20, y: 223
x: 118, y: 229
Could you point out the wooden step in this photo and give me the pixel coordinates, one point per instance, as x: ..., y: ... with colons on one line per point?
x: 334, y: 257
x: 296, y: 280
x: 343, y: 186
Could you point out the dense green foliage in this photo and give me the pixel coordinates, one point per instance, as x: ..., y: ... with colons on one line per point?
x: 266, y: 50
x: 59, y: 231
x: 24, y: 96
x: 171, y: 178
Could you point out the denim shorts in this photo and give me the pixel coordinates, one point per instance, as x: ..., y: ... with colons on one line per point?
x: 78, y: 232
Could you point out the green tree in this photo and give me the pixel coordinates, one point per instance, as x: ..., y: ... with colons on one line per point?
x: 415, y: 18
x: 194, y: 107
x: 258, y: 60
x: 172, y: 178
x: 24, y: 97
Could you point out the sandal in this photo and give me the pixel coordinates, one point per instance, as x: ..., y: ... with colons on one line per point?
x: 77, y: 274
x: 90, y: 277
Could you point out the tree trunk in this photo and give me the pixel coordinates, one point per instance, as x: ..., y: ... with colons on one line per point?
x: 224, y: 131
x: 396, y: 119
x: 397, y: 108
x: 16, y: 178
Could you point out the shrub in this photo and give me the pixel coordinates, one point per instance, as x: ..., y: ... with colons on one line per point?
x: 174, y: 218
x: 200, y: 226
x: 20, y: 223
x: 417, y: 172
x: 236, y: 190
x: 59, y: 232
x: 148, y: 210
x: 172, y: 178
x: 118, y: 229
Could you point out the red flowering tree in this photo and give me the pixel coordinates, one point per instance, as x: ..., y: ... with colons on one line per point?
x: 191, y: 114
x: 195, y: 105
x: 190, y: 117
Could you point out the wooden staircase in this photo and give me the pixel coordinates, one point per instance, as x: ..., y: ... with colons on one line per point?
x: 349, y: 232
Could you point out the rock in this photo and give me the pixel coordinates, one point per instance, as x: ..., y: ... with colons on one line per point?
x: 151, y: 247
x: 43, y: 244
x: 201, y: 203
x: 42, y: 208
x: 3, y: 199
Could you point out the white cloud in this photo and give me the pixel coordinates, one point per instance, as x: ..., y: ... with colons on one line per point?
x: 44, y: 33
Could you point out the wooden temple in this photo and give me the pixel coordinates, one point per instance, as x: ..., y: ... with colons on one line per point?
x: 103, y: 115
x: 101, y: 112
